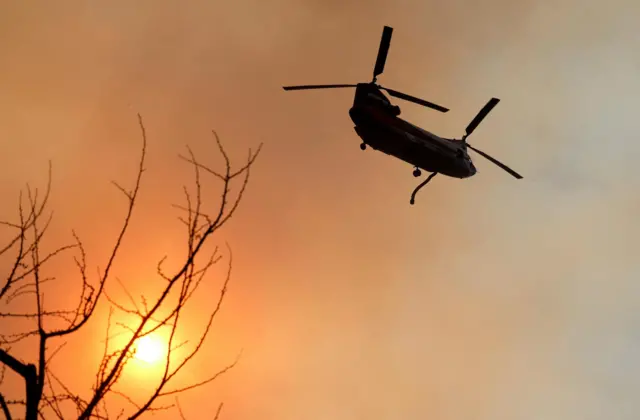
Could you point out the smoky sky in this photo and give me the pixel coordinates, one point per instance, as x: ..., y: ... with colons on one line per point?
x: 490, y: 298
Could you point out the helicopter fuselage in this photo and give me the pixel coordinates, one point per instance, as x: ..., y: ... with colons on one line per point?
x: 378, y: 125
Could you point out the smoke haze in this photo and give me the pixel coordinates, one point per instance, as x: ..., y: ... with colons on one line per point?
x: 490, y: 298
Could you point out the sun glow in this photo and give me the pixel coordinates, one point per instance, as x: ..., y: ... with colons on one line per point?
x: 150, y: 349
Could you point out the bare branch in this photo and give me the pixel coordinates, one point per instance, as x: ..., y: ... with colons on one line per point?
x: 14, y: 364
x: 92, y: 299
x: 46, y: 394
x: 5, y: 408
x: 182, y: 417
x: 218, y: 411
x: 20, y: 238
x: 204, y: 382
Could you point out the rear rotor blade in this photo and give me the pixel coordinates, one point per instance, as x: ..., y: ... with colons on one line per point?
x: 415, y: 100
x: 385, y: 43
x: 481, y: 115
x: 304, y: 87
x: 496, y: 162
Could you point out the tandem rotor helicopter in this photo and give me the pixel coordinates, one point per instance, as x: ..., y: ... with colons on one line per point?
x: 378, y: 125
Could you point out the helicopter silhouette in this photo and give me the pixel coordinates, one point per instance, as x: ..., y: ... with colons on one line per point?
x: 378, y: 124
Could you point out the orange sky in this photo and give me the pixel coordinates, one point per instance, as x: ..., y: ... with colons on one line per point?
x: 491, y: 298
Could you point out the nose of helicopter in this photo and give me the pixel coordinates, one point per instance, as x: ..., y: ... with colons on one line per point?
x: 472, y: 168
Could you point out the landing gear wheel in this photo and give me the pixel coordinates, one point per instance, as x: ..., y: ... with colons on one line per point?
x: 363, y: 146
x: 417, y: 172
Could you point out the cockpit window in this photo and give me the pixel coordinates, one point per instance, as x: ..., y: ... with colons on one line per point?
x: 379, y: 98
x: 385, y: 104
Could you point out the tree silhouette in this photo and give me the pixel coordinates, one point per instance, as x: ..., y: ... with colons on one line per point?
x: 45, y: 394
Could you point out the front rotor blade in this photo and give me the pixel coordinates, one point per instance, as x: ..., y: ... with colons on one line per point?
x: 385, y: 43
x: 415, y: 100
x: 500, y: 164
x: 303, y: 87
x: 481, y: 115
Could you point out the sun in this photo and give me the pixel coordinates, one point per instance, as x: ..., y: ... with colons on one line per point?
x: 149, y: 349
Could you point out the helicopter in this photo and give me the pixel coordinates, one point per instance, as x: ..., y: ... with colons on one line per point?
x: 378, y: 125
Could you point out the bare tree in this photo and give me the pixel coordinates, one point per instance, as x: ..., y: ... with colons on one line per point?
x: 45, y: 393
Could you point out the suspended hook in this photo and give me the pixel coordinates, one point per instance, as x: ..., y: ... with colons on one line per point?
x: 419, y: 187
